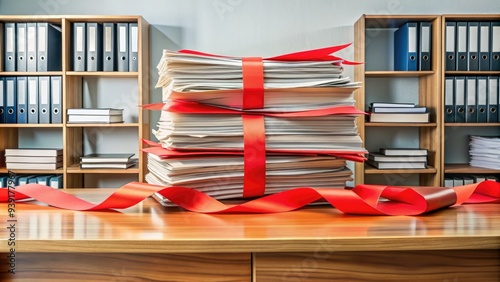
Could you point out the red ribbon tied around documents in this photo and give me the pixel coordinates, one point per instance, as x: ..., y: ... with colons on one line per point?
x: 362, y: 199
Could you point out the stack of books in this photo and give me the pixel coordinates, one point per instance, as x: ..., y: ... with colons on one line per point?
x: 484, y: 152
x: 308, y: 111
x: 398, y: 158
x: 96, y: 115
x: 122, y: 161
x: 397, y: 112
x: 35, y: 159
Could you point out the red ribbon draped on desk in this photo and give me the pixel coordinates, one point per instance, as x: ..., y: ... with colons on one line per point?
x: 362, y: 199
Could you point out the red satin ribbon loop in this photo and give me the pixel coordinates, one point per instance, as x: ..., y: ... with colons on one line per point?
x: 253, y: 83
x: 254, y: 154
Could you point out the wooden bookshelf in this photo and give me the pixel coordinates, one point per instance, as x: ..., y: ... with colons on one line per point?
x: 73, y: 84
x: 450, y: 163
x: 375, y: 31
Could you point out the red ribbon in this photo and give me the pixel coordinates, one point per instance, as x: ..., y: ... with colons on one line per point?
x: 253, y: 83
x: 363, y: 199
x: 254, y: 154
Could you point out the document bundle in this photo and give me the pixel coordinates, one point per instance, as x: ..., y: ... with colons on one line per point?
x: 484, y: 151
x: 31, y: 47
x: 472, y: 46
x: 471, y: 99
x: 398, y: 158
x: 105, y: 46
x: 244, y: 127
x: 122, y: 161
x: 397, y: 112
x: 413, y: 47
x: 31, y: 99
x: 95, y: 115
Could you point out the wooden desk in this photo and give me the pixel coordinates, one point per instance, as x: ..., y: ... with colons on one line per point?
x: 150, y: 243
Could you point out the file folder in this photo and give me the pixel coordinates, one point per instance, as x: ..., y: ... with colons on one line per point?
x: 471, y: 103
x: 94, y: 47
x: 22, y: 99
x: 31, y: 53
x: 49, y: 47
x: 79, y: 46
x: 44, y: 179
x: 11, y: 100
x: 449, y: 103
x: 56, y: 99
x: 32, y: 99
x: 3, y: 181
x: 405, y: 48
x: 21, y: 46
x: 133, y: 47
x: 460, y: 99
x: 109, y: 47
x: 424, y: 50
x: 495, y: 46
x: 484, y: 46
x: 43, y: 99
x: 482, y: 99
x: 122, y: 42
x: 473, y: 42
x: 461, y: 54
x: 24, y: 179
x: 56, y: 181
x: 10, y: 47
x: 3, y: 97
x: 492, y: 99
x: 450, y: 33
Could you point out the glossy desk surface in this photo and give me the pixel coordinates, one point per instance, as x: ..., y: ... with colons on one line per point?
x: 151, y: 228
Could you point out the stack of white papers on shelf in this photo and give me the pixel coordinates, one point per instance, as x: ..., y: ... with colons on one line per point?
x: 485, y: 152
x: 95, y: 115
x: 309, y: 121
x: 397, y: 112
x: 34, y: 159
x: 122, y: 161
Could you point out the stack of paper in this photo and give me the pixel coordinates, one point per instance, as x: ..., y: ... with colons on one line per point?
x: 107, y: 161
x: 97, y: 115
x: 309, y: 123
x: 34, y: 159
x: 397, y: 112
x: 289, y: 85
x: 484, y: 152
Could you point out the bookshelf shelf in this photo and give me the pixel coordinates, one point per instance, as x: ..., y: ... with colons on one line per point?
x: 398, y: 73
x: 400, y: 124
x: 479, y: 124
x: 102, y: 125
x: 30, y: 125
x: 92, y: 89
x: 31, y: 73
x: 75, y: 169
x: 467, y: 169
x: 103, y: 74
x: 32, y: 171
x: 372, y: 170
x: 472, y: 72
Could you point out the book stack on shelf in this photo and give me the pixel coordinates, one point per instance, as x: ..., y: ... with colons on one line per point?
x: 484, y: 152
x: 398, y: 158
x: 95, y: 115
x: 397, y: 112
x: 119, y: 161
x: 34, y: 159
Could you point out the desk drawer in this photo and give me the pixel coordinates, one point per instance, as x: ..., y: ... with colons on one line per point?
x: 451, y: 266
x: 84, y: 267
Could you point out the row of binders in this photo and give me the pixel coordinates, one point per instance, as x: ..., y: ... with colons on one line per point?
x: 472, y: 46
x: 466, y: 180
x: 52, y: 180
x: 471, y: 99
x: 105, y: 47
x: 413, y: 47
x: 32, y: 99
x: 32, y: 47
